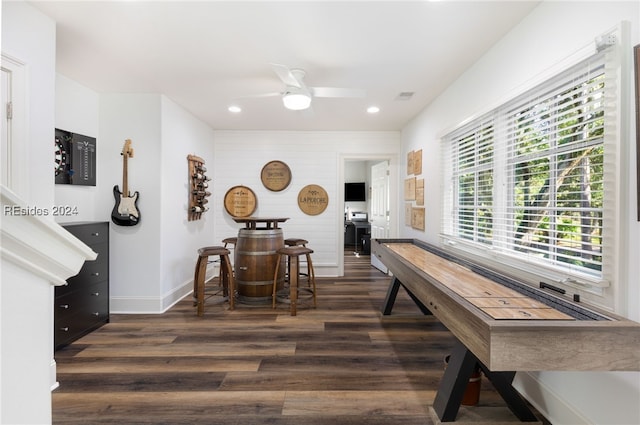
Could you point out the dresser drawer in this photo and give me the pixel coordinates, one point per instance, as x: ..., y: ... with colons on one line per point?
x: 91, y: 272
x: 73, y: 327
x: 96, y: 270
x: 87, y: 298
x: 80, y: 312
x: 68, y: 330
x: 90, y: 234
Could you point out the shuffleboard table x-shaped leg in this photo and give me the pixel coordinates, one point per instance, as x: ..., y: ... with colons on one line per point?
x: 462, y: 363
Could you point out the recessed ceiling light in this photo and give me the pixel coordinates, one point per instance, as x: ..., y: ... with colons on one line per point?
x: 235, y: 109
x: 373, y: 109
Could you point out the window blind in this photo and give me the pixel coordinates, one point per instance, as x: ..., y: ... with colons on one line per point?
x: 530, y: 180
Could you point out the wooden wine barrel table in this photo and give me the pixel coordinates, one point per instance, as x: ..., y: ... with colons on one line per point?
x: 255, y: 259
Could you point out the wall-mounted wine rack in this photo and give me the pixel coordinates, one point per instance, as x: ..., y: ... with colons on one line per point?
x: 198, y: 188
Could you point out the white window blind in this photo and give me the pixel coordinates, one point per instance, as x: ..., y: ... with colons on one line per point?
x: 555, y: 170
x: 473, y: 149
x: 529, y: 181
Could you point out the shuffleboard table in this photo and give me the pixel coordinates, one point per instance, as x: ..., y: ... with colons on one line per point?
x: 503, y: 325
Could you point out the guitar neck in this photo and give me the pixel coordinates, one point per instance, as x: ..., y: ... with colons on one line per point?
x: 125, y: 175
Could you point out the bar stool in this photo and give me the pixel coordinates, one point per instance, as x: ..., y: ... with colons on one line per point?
x: 297, y: 242
x: 293, y: 254
x: 226, y: 282
x: 226, y: 241
x: 233, y: 241
x: 230, y: 241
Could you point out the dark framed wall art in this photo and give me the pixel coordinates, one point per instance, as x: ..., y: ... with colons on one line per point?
x: 74, y: 158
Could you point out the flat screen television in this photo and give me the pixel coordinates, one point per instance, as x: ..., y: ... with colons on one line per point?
x: 355, y: 192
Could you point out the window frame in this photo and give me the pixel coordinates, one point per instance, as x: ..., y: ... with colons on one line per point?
x: 598, y: 288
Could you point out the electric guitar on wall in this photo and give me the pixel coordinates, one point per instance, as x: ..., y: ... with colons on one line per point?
x: 125, y: 212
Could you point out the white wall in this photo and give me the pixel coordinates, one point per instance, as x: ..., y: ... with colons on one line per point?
x: 29, y: 36
x: 355, y: 172
x: 151, y: 263
x: 77, y: 111
x: 27, y: 347
x: 314, y: 158
x: 182, y: 134
x: 134, y: 251
x: 542, y: 41
x: 26, y: 317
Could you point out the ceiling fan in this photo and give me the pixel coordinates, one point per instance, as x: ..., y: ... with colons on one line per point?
x: 297, y: 95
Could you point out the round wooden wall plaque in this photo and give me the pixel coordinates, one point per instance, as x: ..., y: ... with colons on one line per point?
x: 240, y: 201
x: 313, y: 199
x: 276, y: 176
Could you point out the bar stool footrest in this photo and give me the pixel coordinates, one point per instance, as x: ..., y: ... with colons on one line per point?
x: 283, y: 295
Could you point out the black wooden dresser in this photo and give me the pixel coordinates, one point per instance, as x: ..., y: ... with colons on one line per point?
x: 82, y: 305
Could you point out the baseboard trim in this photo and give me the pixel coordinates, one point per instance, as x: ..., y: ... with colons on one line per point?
x: 553, y: 407
x: 159, y: 305
x: 176, y: 295
x: 53, y: 374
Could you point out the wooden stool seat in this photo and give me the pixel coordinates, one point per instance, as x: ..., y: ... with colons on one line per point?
x: 226, y: 276
x: 294, y: 250
x: 212, y: 250
x: 293, y: 254
x: 295, y: 242
x: 204, y: 253
x: 230, y: 241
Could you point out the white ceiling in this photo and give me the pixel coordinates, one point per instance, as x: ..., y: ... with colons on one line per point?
x: 206, y: 55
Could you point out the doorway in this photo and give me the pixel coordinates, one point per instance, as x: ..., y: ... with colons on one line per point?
x: 379, y: 172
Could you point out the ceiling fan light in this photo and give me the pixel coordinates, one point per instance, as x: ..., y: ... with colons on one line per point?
x: 296, y: 101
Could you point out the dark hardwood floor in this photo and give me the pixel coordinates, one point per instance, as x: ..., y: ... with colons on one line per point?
x: 342, y: 363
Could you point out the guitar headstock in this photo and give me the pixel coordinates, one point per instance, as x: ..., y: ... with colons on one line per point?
x: 127, y: 150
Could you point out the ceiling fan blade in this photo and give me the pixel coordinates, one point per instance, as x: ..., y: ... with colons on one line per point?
x: 337, y: 92
x: 252, y: 96
x: 285, y: 74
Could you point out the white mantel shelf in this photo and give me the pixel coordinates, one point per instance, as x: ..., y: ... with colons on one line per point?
x: 35, y: 242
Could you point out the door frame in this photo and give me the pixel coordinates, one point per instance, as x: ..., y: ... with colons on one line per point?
x: 15, y: 141
x: 393, y: 196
